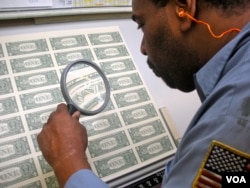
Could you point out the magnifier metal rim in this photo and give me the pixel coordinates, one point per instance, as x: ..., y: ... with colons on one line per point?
x: 65, y: 92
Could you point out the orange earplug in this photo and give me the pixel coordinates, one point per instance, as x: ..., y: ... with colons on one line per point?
x: 182, y: 13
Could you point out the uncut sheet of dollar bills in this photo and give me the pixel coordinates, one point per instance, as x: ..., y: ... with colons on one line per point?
x: 127, y: 135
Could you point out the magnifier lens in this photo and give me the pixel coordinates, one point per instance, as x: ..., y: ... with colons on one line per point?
x: 85, y: 87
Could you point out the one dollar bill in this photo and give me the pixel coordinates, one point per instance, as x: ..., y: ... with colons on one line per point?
x: 128, y: 98
x: 146, y: 131
x: 63, y: 58
x: 107, y: 144
x: 17, y: 172
x: 154, y: 148
x: 26, y: 47
x: 14, y: 148
x: 41, y: 79
x: 44, y: 165
x: 5, y: 86
x: 52, y: 182
x: 41, y: 98
x: 124, y: 81
x: 111, y: 52
x: 115, y: 163
x: 139, y: 114
x: 36, y: 120
x: 8, y: 105
x: 64, y: 42
x: 119, y: 66
x: 105, y: 38
x: 102, y: 124
x: 31, y: 63
x: 11, y: 126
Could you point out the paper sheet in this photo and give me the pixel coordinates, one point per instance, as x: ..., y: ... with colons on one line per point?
x: 127, y: 135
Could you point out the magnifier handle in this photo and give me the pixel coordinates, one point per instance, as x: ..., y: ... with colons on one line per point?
x: 71, y: 109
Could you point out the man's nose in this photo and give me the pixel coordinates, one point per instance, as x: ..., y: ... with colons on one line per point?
x: 143, y: 47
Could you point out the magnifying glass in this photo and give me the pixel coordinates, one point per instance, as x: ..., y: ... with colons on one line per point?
x: 85, y: 87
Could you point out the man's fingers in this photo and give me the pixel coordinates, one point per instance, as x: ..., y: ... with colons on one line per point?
x: 62, y: 107
x: 76, y: 115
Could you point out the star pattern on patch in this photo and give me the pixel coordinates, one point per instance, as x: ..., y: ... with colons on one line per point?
x: 222, y: 160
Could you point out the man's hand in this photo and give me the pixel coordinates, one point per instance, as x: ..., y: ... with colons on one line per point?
x: 63, y: 141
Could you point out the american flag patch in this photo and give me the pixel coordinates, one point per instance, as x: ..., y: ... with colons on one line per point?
x: 220, y: 159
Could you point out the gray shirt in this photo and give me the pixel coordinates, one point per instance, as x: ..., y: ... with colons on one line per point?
x: 223, y: 85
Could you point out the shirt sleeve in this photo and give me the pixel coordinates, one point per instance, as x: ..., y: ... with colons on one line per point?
x: 85, y: 179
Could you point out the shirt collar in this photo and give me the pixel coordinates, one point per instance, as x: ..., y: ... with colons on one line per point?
x: 208, y: 76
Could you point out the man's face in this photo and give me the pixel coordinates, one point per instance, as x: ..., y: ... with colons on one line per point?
x: 168, y: 56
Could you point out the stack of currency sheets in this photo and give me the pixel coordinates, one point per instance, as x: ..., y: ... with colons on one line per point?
x: 129, y: 134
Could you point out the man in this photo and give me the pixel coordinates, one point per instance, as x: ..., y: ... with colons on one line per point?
x: 190, y: 44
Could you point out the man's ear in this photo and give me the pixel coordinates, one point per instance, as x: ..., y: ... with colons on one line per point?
x: 185, y: 6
